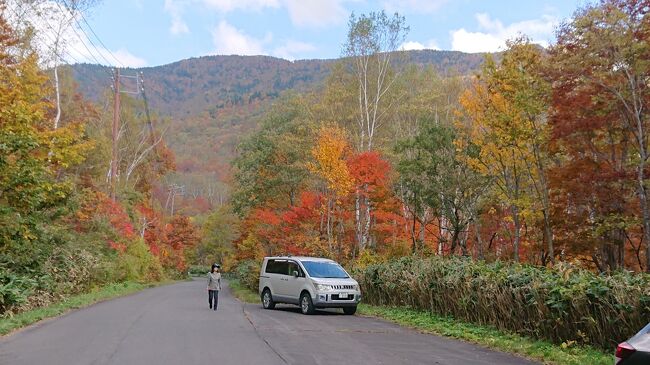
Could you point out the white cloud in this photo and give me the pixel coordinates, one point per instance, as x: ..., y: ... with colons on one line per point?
x: 178, y: 27
x: 493, y: 34
x: 316, y: 13
x: 303, y: 13
x: 416, y: 46
x: 291, y: 50
x: 51, y: 21
x: 226, y: 6
x: 175, y: 10
x: 129, y: 59
x: 228, y: 40
x: 413, y: 6
x: 103, y: 55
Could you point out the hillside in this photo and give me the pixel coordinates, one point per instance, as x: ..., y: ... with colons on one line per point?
x: 207, y: 84
x: 213, y: 101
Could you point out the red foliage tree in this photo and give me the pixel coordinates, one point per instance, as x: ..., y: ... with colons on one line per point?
x: 180, y: 234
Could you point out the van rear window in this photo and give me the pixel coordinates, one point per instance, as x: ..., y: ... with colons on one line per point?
x: 277, y: 267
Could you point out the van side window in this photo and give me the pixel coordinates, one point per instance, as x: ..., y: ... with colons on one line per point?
x: 269, y: 266
x: 276, y: 267
x: 292, y: 266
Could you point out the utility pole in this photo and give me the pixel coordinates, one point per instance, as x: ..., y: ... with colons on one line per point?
x: 173, y: 191
x: 116, y: 130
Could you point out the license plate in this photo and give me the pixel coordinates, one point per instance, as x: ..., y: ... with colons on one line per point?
x: 343, y: 296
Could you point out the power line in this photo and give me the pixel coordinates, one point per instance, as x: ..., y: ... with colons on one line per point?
x: 74, y: 29
x: 81, y: 71
x: 55, y: 40
x: 97, y: 37
x: 57, y: 52
x: 73, y: 15
x: 90, y: 53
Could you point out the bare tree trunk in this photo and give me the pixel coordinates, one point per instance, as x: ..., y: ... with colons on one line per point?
x: 357, y: 218
x: 546, y: 204
x: 57, y: 89
x: 321, y: 228
x: 329, y: 226
x: 422, y: 234
x: 440, y: 237
x: 367, y: 222
x: 454, y: 241
x: 413, y: 238
x: 173, y: 200
x: 643, y: 201
x: 515, y: 218
x: 612, y: 250
x: 463, y: 242
x: 479, y: 240
x: 548, y: 235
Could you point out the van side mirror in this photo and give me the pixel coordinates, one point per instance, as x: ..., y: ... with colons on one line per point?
x: 295, y: 274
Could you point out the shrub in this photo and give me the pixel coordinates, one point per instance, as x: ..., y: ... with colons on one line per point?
x: 71, y: 270
x: 565, y: 304
x: 14, y: 290
x: 198, y: 270
x: 248, y: 274
x: 138, y: 264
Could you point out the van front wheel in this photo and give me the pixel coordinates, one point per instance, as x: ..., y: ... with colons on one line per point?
x: 306, y: 305
x: 267, y: 300
x: 350, y: 310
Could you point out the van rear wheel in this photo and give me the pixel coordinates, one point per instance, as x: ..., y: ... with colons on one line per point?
x: 267, y: 300
x: 350, y: 310
x: 306, y: 305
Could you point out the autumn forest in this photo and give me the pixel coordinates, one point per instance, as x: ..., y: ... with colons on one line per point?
x: 538, y: 157
x: 529, y: 163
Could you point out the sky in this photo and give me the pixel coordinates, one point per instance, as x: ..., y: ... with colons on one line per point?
x: 140, y: 33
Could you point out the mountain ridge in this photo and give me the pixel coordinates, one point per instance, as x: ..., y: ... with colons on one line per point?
x: 175, y: 89
x: 213, y: 101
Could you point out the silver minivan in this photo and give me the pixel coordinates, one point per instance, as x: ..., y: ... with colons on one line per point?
x: 308, y: 282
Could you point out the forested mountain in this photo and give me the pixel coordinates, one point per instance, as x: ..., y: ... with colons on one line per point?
x: 211, y: 83
x: 210, y: 102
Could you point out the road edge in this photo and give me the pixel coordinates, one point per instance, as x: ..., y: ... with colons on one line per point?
x: 71, y: 304
x: 490, y: 338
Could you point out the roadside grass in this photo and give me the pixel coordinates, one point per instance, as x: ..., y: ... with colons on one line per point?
x: 11, y: 323
x: 486, y: 336
x: 241, y: 292
x: 546, y: 352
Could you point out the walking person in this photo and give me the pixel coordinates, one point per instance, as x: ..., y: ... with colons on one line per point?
x: 214, y: 285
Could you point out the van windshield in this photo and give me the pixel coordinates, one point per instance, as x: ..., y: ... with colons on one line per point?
x: 324, y: 269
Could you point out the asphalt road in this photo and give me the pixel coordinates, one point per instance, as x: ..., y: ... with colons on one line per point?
x: 173, y: 325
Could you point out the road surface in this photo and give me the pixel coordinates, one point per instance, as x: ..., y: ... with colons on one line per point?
x: 173, y: 325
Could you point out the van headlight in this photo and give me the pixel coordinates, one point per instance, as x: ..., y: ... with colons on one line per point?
x: 323, y: 287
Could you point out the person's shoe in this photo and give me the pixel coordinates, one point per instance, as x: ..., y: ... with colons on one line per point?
x: 210, y: 306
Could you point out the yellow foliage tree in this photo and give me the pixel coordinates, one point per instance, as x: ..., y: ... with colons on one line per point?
x: 505, y: 117
x: 330, y: 166
x: 329, y: 155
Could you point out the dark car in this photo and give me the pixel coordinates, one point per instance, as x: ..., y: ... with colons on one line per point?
x: 636, y: 350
